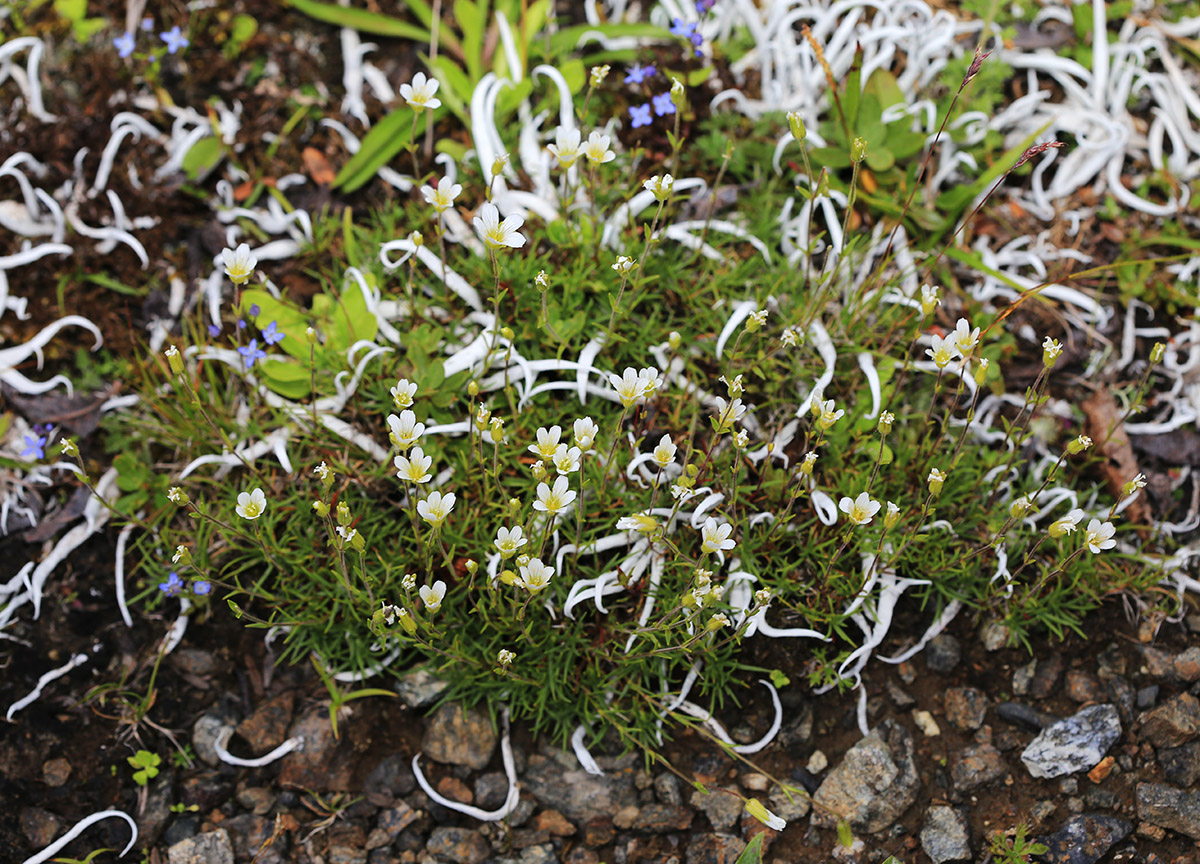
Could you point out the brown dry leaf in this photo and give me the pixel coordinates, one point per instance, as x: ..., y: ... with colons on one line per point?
x: 60, y: 519
x: 1104, y: 426
x: 80, y: 414
x: 318, y: 166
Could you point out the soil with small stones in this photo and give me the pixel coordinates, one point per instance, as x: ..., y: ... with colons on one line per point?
x: 65, y: 755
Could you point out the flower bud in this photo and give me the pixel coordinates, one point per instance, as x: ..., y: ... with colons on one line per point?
x: 508, y: 577
x: 357, y: 541
x: 674, y: 340
x: 539, y: 471
x: 174, y: 360
x: 796, y: 125
x: 981, y: 372
x: 1080, y: 444
x: 678, y: 94
x: 177, y: 496
x: 472, y: 389
x: 597, y: 75
x: 343, y: 514
x: 1156, y: 353
x: 472, y: 566
x: 321, y: 508
x: 407, y: 622
x: 886, y: 419
x: 891, y: 517
x: 182, y: 556
x: 1051, y: 349
x: 500, y: 163
x: 1019, y: 507
x: 507, y: 333
x: 806, y: 467
x: 69, y: 448
x: 858, y: 150
x: 417, y: 239
x: 541, y: 281
x: 310, y: 335
x: 936, y: 479
x: 756, y: 809
x: 716, y: 622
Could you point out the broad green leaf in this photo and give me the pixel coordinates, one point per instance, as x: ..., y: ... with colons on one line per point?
x: 288, y: 320
x: 387, y: 138
x: 360, y: 19
x: 351, y: 321
x: 753, y: 853
x: 242, y: 29
x: 473, y: 24
x: 880, y: 159
x: 883, y: 86
x: 566, y: 41
x: 290, y: 380
x: 203, y: 157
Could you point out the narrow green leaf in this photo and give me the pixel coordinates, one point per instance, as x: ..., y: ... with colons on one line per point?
x: 753, y: 853
x: 387, y: 138
x: 360, y: 19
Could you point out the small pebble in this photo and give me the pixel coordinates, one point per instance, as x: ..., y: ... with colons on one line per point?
x: 926, y: 724
x: 817, y: 762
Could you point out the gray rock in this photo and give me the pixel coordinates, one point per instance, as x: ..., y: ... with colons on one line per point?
x: 1075, y: 743
x: 391, y: 779
x: 419, y: 688
x: 714, y: 849
x: 543, y: 853
x: 797, y: 731
x: 458, y: 845
x: 1172, y: 724
x: 578, y: 795
x: 875, y: 782
x: 1023, y: 678
x: 316, y: 767
x: 993, y: 635
x: 205, y: 731
x: 975, y: 766
x: 965, y: 707
x: 211, y: 848
x: 1046, y: 675
x: 248, y: 834
x: 790, y: 810
x: 722, y: 809
x: 490, y: 790
x: 1169, y: 807
x: 1181, y: 765
x: 943, y: 653
x: 1147, y: 696
x: 666, y: 789
x: 945, y: 835
x: 1085, y: 839
x: 458, y: 736
x: 39, y: 826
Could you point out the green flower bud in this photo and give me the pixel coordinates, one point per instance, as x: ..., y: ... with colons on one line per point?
x: 796, y: 125
x: 858, y: 150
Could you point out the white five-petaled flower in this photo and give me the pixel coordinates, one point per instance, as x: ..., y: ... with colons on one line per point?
x: 630, y: 387
x: 180, y: 551
x: 859, y: 510
x: 403, y: 393
x: 239, y: 264
x: 596, y: 149
x: 442, y: 198
x: 322, y: 471
x: 504, y: 658
x: 436, y: 507
x: 929, y: 298
x: 405, y: 430
x: 826, y: 415
x: 715, y: 536
x: 642, y: 522
x: 1067, y: 524
x: 1138, y: 482
x: 534, y: 575
x: 586, y: 430
x: 556, y: 499
x: 741, y: 439
x: 433, y: 595
x: 565, y: 147
x: 1099, y: 536
x: 790, y: 337
x: 965, y: 338
x: 735, y: 387
x: 509, y: 540
x: 756, y: 809
x: 497, y: 234
x: 651, y: 380
x: 175, y: 495
x: 415, y: 467
x: 624, y: 264
x: 547, y: 442
x: 420, y: 93
x: 660, y: 186
x: 566, y: 459
x: 664, y: 453
x: 728, y: 413
x: 250, y: 505
x: 758, y: 319
x: 942, y: 349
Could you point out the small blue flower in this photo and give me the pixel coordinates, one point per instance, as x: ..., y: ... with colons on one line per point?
x: 172, y: 586
x: 251, y: 352
x: 705, y: 6
x: 200, y: 586
x: 639, y: 73
x: 214, y: 330
x: 174, y: 39
x: 124, y: 44
x: 147, y: 24
x: 682, y: 28
x: 241, y: 324
x: 663, y: 104
x: 272, y: 336
x: 254, y: 310
x: 640, y: 115
x: 35, y: 446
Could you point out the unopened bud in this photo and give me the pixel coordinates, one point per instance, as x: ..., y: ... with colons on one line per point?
x: 796, y: 125
x: 858, y: 150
